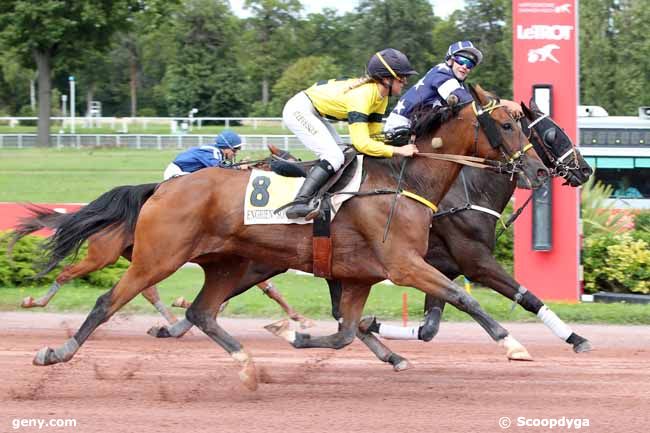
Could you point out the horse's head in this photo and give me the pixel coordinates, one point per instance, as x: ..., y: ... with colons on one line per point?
x: 554, y: 146
x: 498, y: 135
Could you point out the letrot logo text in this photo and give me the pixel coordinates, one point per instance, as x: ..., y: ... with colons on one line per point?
x: 543, y: 32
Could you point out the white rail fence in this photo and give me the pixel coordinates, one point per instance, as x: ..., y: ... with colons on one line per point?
x: 147, y: 141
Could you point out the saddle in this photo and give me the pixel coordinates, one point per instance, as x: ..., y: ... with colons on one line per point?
x: 321, y: 240
x: 335, y: 183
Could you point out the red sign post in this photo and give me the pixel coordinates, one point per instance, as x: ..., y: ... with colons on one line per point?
x: 545, y: 38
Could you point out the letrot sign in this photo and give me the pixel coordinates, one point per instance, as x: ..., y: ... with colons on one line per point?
x: 545, y: 57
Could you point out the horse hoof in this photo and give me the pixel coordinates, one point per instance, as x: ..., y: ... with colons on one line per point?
x: 306, y: 323
x: 179, y: 302
x: 402, y: 365
x: 281, y: 329
x: 159, y: 332
x: 45, y: 356
x: 514, y: 350
x: 582, y: 347
x: 248, y: 376
x: 28, y: 302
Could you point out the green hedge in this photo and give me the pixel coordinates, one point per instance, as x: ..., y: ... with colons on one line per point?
x: 23, y: 265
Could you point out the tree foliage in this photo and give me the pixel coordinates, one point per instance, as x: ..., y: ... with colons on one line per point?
x: 171, y: 56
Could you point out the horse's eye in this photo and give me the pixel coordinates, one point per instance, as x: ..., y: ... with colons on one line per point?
x: 507, y: 126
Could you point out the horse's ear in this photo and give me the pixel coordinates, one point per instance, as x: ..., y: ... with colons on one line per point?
x: 472, y: 91
x: 535, y: 107
x: 529, y: 114
x: 478, y: 94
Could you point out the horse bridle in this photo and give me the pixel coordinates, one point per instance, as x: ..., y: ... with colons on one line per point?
x: 560, y: 167
x: 484, y: 120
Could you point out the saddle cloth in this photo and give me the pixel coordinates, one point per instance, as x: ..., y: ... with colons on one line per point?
x: 266, y: 191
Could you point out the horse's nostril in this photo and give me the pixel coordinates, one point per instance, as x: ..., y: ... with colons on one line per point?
x: 587, y: 171
x: 542, y: 173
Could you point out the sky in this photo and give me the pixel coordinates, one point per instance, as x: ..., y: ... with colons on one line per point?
x: 441, y: 8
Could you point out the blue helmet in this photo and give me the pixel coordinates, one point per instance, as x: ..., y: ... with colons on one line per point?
x: 228, y: 140
x: 465, y: 49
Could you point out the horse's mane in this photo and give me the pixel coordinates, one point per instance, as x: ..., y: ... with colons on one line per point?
x: 426, y: 119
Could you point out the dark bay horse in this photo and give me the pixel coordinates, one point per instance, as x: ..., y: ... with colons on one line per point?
x: 462, y: 241
x: 200, y: 218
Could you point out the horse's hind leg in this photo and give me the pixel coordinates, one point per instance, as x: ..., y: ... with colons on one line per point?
x: 102, y: 251
x: 220, y: 280
x: 151, y: 295
x: 353, y: 300
x: 136, y: 279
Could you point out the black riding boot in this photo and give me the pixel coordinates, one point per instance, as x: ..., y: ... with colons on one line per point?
x: 318, y: 175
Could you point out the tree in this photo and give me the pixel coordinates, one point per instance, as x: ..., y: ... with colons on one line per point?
x: 270, y: 40
x: 300, y: 75
x: 40, y: 31
x: 406, y: 25
x: 205, y: 73
x: 488, y: 24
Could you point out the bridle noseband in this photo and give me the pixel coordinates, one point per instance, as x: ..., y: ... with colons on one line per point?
x: 559, y: 166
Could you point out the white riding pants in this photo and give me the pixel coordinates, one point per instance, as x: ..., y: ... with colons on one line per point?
x: 312, y: 130
x: 173, y: 170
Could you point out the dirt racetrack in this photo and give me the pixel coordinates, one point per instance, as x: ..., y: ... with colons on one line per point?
x: 122, y: 380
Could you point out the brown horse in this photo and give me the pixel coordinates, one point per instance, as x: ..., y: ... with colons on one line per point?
x: 105, y: 247
x: 200, y: 218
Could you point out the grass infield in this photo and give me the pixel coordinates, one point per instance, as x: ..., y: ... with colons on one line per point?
x: 68, y: 175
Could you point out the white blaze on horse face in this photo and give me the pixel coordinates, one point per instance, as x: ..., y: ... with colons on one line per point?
x: 436, y: 142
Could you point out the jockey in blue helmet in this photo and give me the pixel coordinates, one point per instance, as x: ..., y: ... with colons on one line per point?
x: 221, y: 153
x: 443, y: 84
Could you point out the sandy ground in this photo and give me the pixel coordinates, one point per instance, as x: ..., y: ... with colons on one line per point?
x: 122, y: 380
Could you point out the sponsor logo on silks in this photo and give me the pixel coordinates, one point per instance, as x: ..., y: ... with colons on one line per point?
x: 544, y: 8
x: 543, y: 54
x: 542, y: 32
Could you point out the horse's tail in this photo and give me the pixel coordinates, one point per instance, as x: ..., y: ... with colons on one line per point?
x: 117, y: 209
x: 40, y: 218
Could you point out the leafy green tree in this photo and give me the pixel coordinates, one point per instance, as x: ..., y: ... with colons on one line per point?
x: 40, y: 31
x: 300, y: 75
x: 488, y: 24
x: 205, y: 73
x: 270, y: 43
x: 406, y: 25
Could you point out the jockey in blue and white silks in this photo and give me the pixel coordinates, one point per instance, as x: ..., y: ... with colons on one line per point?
x: 442, y: 82
x: 218, y: 154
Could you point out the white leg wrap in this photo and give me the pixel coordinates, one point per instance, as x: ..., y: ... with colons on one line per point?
x: 555, y: 324
x: 398, y: 332
x: 179, y: 328
x: 67, y: 351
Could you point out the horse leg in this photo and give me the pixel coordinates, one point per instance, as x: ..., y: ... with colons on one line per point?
x: 381, y: 351
x: 491, y: 274
x: 151, y: 295
x: 102, y: 251
x: 255, y: 273
x: 220, y: 280
x: 269, y: 290
x: 429, y: 280
x: 352, y: 302
x: 137, y: 278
